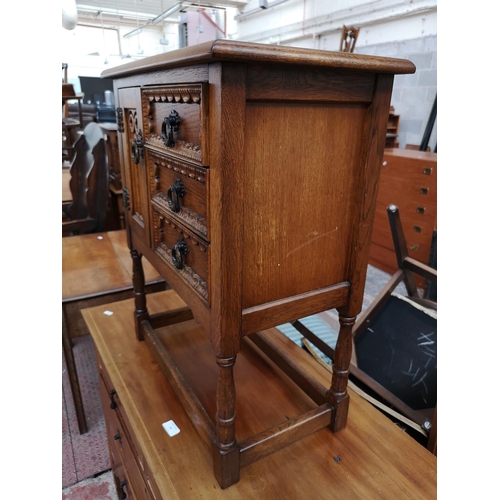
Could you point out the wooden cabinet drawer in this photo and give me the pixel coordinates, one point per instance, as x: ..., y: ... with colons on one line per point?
x: 185, y: 252
x: 121, y: 443
x: 124, y: 457
x: 174, y: 118
x: 179, y: 189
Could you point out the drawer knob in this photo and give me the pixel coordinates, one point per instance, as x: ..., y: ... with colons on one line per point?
x: 178, y: 250
x: 112, y: 394
x: 174, y: 192
x: 137, y: 148
x: 123, y: 495
x: 170, y: 124
x: 118, y: 437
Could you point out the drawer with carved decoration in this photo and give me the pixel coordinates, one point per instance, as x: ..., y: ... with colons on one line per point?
x: 184, y: 251
x: 179, y: 189
x: 175, y: 118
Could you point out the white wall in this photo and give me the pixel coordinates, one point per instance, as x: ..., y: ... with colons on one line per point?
x: 391, y: 28
x: 114, y: 49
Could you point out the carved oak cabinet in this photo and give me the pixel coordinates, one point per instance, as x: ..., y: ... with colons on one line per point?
x: 250, y: 179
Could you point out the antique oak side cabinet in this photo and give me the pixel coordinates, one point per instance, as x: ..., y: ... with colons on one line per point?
x: 250, y: 176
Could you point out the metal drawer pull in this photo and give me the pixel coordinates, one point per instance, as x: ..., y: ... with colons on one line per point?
x: 137, y: 148
x: 178, y: 250
x: 174, y: 192
x: 171, y: 122
x: 123, y: 495
x: 423, y: 190
x: 112, y: 394
x: 420, y: 210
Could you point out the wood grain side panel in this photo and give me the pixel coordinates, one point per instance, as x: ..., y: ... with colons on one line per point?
x: 301, y: 162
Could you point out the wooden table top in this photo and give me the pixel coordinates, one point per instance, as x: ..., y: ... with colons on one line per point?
x: 97, y: 264
x: 370, y: 458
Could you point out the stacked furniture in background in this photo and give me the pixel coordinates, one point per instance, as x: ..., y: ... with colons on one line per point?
x: 408, y: 179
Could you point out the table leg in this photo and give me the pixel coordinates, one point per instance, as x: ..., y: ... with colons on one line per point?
x: 226, y: 453
x: 337, y: 395
x: 73, y: 376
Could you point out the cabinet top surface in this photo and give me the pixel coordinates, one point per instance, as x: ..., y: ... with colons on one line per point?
x: 246, y: 52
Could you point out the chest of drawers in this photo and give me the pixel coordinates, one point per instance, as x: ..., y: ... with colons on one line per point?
x: 250, y: 178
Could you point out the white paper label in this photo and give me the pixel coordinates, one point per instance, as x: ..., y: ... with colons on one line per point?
x: 171, y: 428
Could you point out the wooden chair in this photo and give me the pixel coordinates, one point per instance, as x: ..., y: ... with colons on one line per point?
x: 89, y: 184
x: 394, y: 358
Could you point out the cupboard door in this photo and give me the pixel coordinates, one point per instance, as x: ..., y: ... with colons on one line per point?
x: 135, y: 183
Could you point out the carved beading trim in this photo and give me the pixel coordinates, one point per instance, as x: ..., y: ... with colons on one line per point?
x: 119, y: 119
x: 160, y: 202
x: 184, y: 94
x: 191, y: 171
x: 183, y: 148
x: 132, y: 121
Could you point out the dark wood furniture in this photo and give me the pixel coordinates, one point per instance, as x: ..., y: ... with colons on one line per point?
x: 371, y: 458
x: 408, y: 180
x: 116, y: 215
x: 96, y: 269
x: 250, y: 173
x: 110, y: 132
x: 86, y: 212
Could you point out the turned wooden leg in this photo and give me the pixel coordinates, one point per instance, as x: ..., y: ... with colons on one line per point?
x: 141, y: 310
x: 226, y: 453
x: 337, y: 394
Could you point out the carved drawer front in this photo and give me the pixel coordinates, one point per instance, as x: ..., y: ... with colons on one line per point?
x: 185, y: 252
x: 174, y: 120
x: 179, y: 189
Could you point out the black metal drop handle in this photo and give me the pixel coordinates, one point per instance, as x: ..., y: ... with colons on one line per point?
x: 178, y: 250
x: 112, y: 394
x: 170, y: 123
x: 137, y: 147
x: 123, y: 495
x: 175, y: 191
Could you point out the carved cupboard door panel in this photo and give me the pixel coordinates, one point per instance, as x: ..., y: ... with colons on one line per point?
x: 135, y: 189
